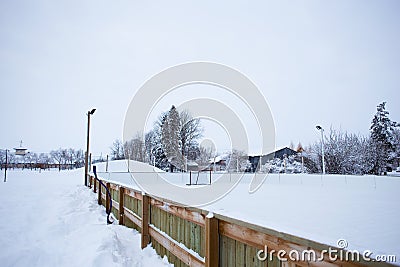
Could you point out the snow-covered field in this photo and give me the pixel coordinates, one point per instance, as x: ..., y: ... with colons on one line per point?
x: 363, y: 210
x: 51, y: 219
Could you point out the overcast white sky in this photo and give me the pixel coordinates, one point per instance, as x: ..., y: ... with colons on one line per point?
x: 316, y: 62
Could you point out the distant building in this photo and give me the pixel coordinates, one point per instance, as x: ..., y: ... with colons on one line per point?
x: 20, y: 151
x: 218, y: 163
x: 279, y: 153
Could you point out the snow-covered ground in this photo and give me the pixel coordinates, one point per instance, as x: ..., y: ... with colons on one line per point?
x: 363, y: 210
x: 51, y: 219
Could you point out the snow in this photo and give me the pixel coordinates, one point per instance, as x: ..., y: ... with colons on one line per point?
x: 189, y: 250
x: 363, y: 210
x: 51, y: 219
x: 210, y: 215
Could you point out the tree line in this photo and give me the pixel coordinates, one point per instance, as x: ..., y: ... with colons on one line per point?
x: 173, y: 141
x: 63, y: 158
x: 347, y: 153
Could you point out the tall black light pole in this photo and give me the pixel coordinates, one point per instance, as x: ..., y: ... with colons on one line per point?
x: 319, y: 128
x: 5, y: 168
x: 87, y: 145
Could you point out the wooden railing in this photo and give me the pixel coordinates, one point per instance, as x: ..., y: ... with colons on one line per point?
x: 188, y: 237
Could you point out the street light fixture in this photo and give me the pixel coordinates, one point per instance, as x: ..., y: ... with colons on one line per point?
x: 319, y: 128
x: 87, y: 146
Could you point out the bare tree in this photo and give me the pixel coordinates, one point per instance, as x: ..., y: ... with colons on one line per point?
x: 150, y: 143
x: 58, y: 157
x: 44, y: 159
x: 79, y: 158
x: 238, y: 161
x: 205, y: 154
x: 190, y: 132
x: 135, y: 149
x: 117, y: 150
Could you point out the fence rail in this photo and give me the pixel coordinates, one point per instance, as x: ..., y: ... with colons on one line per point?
x: 189, y: 237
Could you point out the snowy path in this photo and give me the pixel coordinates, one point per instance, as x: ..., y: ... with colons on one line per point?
x: 50, y: 219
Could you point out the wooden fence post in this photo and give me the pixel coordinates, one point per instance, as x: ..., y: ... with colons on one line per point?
x: 212, y: 242
x: 99, y: 201
x: 94, y: 185
x: 108, y: 198
x: 121, y: 205
x: 145, y: 221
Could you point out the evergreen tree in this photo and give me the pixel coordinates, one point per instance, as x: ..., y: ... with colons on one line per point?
x: 382, y: 139
x: 171, y: 141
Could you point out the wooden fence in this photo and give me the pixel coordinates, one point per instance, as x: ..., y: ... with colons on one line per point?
x: 188, y: 237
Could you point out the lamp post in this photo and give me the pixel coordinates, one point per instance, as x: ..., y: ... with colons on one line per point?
x: 87, y: 145
x: 319, y: 128
x: 5, y: 167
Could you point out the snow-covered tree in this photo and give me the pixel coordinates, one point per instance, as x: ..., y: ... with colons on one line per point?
x: 117, y: 150
x: 238, y: 161
x: 171, y: 141
x: 313, y: 158
x: 285, y: 165
x: 382, y: 137
x: 44, y: 158
x: 2, y: 158
x: 344, y: 154
x: 58, y: 157
x: 190, y: 132
x: 154, y: 146
x: 149, y: 143
x: 205, y: 154
x: 395, y: 156
x: 135, y: 149
x: 79, y: 158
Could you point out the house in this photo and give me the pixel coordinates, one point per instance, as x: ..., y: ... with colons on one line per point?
x: 278, y: 153
x: 218, y: 163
